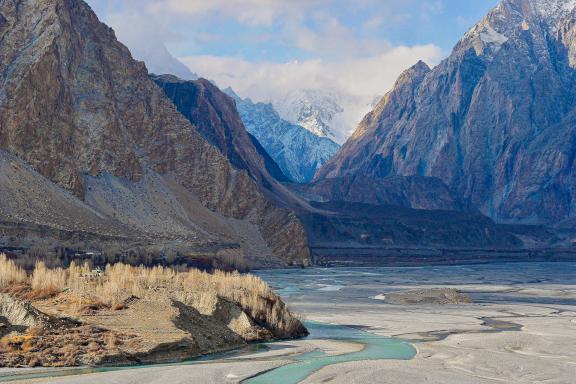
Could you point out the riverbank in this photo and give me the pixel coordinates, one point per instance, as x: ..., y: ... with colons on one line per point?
x: 232, y: 367
x: 519, y: 328
x: 132, y: 315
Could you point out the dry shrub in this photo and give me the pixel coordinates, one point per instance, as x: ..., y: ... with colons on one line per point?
x: 18, y: 290
x: 119, y: 282
x: 35, y: 331
x: 15, y: 343
x: 60, y: 347
x: 92, y: 307
x: 42, y: 293
x: 46, y: 279
x: 77, y: 276
x: 10, y: 273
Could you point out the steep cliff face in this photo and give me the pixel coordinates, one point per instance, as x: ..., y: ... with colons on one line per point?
x: 495, y: 122
x: 77, y: 108
x: 271, y: 166
x: 214, y: 115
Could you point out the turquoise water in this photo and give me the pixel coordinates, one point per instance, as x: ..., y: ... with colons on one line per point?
x: 353, y: 290
x: 375, y: 348
x: 45, y: 373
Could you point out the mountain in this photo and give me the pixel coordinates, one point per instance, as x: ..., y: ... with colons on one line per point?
x: 89, y: 131
x: 312, y: 109
x: 214, y: 115
x: 494, y: 123
x: 298, y: 152
x: 271, y: 166
x: 159, y: 60
x: 328, y: 113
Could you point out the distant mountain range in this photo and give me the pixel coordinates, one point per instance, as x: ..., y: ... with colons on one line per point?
x: 325, y: 112
x: 298, y: 151
x: 312, y: 109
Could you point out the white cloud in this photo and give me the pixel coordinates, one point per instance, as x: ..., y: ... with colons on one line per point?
x: 359, y: 80
x: 249, y: 12
x: 344, y: 59
x: 332, y: 39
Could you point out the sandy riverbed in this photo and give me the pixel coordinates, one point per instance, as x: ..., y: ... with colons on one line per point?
x: 541, y: 352
x: 232, y: 370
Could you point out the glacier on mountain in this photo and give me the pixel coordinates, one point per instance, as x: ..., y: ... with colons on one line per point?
x: 312, y: 109
x: 296, y: 150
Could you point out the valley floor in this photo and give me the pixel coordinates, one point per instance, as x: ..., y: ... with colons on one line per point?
x: 520, y: 328
x: 542, y: 351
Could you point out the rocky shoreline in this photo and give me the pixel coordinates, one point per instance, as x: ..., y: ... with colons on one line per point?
x: 172, y: 317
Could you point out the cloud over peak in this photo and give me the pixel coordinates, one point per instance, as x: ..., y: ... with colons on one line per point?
x: 271, y: 82
x: 267, y: 48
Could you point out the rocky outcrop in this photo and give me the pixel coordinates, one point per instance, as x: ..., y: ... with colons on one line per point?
x: 229, y: 314
x: 128, y: 315
x: 21, y: 313
x: 494, y: 121
x: 77, y: 108
x: 430, y: 296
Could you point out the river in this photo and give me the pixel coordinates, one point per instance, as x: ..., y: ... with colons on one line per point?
x: 342, y: 305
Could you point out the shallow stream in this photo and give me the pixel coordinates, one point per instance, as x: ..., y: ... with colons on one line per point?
x: 375, y: 348
x: 332, y: 291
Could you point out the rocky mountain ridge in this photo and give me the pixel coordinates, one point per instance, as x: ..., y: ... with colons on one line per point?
x: 494, y: 122
x: 82, y: 113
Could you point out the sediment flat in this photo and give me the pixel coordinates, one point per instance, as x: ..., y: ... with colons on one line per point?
x: 519, y: 328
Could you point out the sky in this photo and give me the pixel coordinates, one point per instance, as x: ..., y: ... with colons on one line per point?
x: 270, y: 49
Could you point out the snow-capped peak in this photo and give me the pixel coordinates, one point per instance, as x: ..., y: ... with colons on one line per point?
x: 553, y: 10
x: 311, y: 109
x: 296, y: 150
x: 510, y: 16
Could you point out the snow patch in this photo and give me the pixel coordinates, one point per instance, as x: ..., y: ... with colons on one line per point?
x: 553, y: 11
x: 554, y: 8
x: 490, y: 36
x: 312, y: 109
x: 298, y: 152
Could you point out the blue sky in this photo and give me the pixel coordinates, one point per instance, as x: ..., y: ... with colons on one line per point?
x: 263, y: 30
x: 267, y: 49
